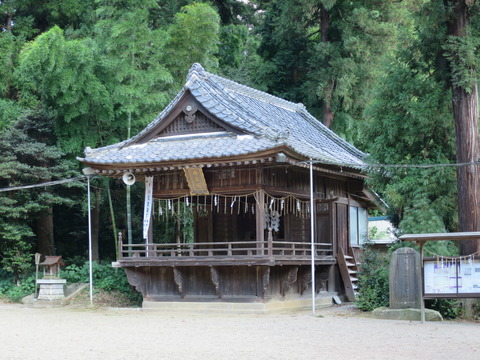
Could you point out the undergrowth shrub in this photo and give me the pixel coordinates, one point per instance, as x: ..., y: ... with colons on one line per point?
x: 12, y: 292
x: 373, y: 280
x: 105, y: 277
x: 449, y: 308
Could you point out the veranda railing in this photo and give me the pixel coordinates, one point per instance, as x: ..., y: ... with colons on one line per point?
x: 224, y: 249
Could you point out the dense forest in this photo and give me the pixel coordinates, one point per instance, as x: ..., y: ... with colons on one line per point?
x: 398, y: 79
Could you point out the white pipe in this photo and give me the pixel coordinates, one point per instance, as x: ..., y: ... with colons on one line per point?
x: 90, y: 242
x: 312, y: 234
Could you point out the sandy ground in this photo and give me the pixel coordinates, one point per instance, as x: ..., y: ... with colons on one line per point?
x: 335, y: 333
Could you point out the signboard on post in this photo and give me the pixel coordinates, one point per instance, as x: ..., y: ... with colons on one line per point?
x: 457, y: 277
x: 460, y: 279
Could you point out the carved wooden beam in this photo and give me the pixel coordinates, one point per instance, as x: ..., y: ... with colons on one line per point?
x: 265, y: 273
x: 137, y: 280
x: 178, y: 278
x: 305, y: 279
x: 289, y: 279
x: 215, y: 277
x: 322, y: 283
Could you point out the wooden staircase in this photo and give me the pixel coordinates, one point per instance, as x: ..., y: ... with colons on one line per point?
x: 349, y: 271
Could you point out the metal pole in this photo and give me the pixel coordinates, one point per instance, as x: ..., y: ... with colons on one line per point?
x: 129, y: 220
x: 90, y: 242
x: 312, y: 236
x: 422, y: 303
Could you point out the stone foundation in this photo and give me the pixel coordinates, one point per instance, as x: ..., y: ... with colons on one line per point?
x: 51, y: 289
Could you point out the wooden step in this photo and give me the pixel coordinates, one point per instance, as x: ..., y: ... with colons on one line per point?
x: 348, y: 269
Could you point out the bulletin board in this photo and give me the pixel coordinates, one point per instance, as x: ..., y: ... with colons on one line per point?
x: 457, y: 277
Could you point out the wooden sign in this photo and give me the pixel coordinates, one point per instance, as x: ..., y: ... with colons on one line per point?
x: 196, y: 181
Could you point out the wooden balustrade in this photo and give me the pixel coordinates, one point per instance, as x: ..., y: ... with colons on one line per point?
x: 237, y: 249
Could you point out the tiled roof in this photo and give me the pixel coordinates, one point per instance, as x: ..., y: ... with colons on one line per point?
x: 177, y: 148
x: 270, y: 120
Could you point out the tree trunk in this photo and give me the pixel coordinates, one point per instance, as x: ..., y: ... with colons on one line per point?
x: 327, y: 113
x: 465, y: 112
x: 44, y: 233
x: 9, y: 23
x: 465, y: 109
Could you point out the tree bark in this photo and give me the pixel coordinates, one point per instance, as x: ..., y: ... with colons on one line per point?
x: 465, y: 112
x: 327, y: 113
x: 465, y: 109
x: 44, y: 233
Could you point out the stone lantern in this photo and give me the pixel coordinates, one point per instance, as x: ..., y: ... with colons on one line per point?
x: 51, y: 286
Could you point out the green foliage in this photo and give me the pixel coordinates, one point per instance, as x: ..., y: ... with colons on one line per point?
x: 448, y: 308
x: 132, y: 61
x: 105, y: 277
x: 64, y: 76
x: 26, y: 157
x: 10, y: 45
x: 420, y: 217
x: 237, y: 55
x: 463, y: 53
x: 194, y: 37
x: 373, y: 280
x: 409, y: 100
x: 231, y: 49
x: 13, y: 292
x: 326, y: 53
x: 10, y: 111
x: 16, y: 293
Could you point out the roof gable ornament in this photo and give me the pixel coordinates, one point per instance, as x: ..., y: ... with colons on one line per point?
x: 189, y: 111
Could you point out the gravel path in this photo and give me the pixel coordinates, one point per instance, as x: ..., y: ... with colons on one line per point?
x: 335, y: 333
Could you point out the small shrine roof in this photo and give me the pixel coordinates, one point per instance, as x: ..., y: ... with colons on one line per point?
x: 263, y: 121
x: 52, y: 260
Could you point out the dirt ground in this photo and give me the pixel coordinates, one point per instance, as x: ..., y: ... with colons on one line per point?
x: 335, y: 333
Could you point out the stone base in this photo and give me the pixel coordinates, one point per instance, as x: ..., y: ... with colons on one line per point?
x: 51, y: 289
x: 234, y: 308
x: 406, y: 314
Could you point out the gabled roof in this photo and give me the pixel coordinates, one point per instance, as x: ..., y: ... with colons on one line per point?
x: 253, y: 121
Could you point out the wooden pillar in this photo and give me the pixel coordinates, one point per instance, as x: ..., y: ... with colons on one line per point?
x: 150, y: 247
x: 260, y: 221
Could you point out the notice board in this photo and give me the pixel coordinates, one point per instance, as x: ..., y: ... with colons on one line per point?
x: 451, y: 278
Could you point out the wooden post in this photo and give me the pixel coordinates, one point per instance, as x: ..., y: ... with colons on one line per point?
x: 37, y: 262
x: 422, y: 303
x: 270, y: 243
x: 260, y: 218
x: 120, y: 245
x: 150, y: 246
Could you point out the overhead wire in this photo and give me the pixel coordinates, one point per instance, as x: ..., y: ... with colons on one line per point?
x: 45, y: 184
x: 399, y: 166
x: 341, y: 164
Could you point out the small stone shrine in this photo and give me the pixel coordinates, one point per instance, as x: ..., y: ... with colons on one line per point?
x: 51, y: 286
